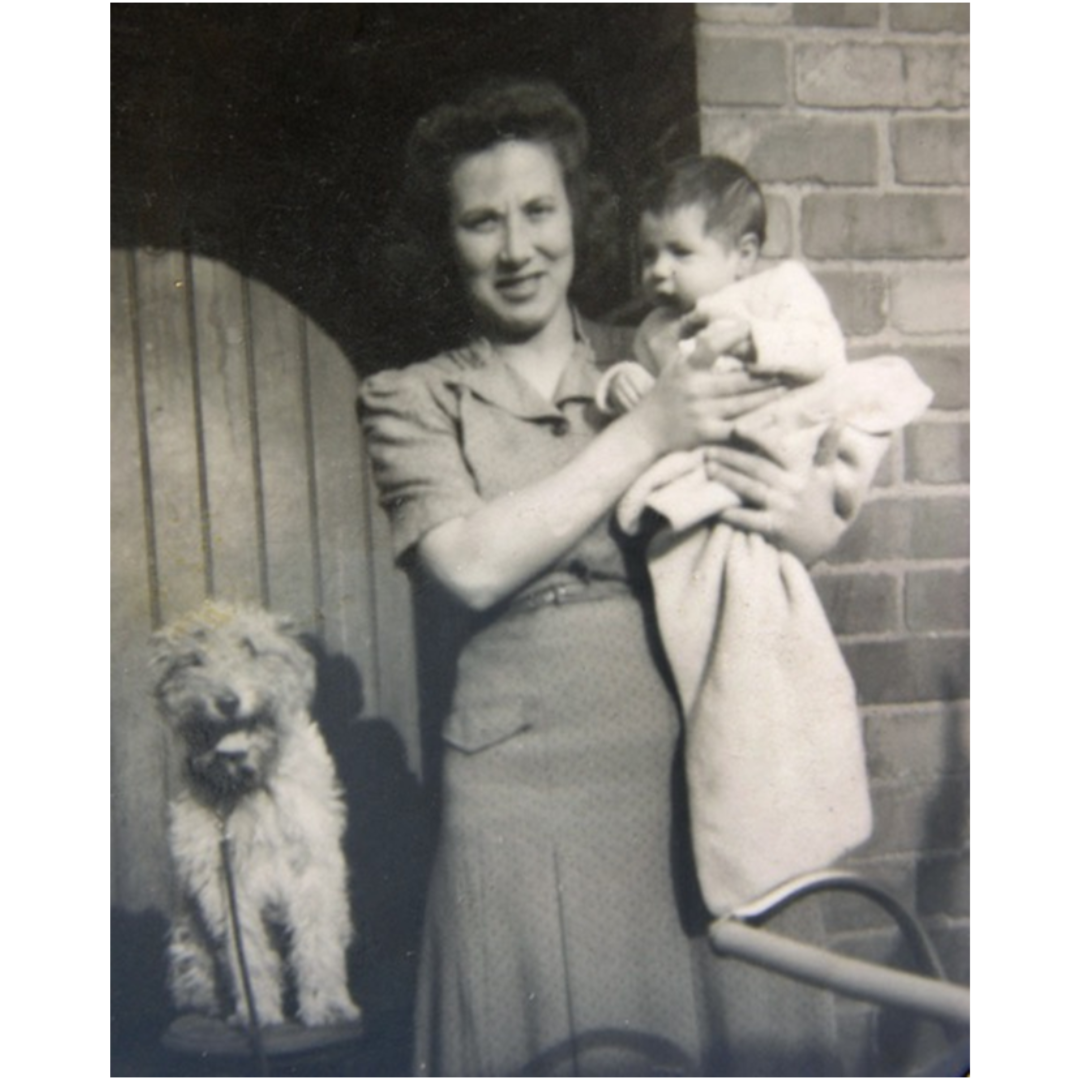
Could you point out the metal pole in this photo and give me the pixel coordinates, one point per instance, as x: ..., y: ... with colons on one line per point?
x: 943, y: 1001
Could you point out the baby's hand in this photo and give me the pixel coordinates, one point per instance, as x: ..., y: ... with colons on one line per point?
x: 628, y: 386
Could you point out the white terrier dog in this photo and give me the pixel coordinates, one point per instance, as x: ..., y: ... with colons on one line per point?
x: 260, y: 803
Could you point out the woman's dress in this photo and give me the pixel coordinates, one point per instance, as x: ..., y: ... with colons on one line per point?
x: 564, y: 934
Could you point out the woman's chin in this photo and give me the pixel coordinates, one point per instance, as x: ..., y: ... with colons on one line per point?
x: 521, y: 319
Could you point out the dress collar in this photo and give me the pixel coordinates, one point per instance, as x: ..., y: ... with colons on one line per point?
x: 479, y: 367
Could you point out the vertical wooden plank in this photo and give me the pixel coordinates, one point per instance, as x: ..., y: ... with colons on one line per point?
x: 282, y: 433
x: 219, y: 322
x: 165, y: 349
x: 139, y: 860
x: 348, y: 607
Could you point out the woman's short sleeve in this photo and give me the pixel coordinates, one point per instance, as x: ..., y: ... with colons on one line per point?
x: 412, y: 439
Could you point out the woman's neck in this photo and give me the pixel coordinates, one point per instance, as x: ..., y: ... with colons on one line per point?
x: 541, y: 358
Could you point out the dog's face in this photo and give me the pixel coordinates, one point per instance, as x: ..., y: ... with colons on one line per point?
x: 230, y: 682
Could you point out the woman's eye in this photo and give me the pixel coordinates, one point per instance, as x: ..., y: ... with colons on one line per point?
x: 479, y: 223
x: 539, y: 210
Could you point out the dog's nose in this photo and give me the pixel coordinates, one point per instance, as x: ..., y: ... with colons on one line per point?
x: 227, y: 703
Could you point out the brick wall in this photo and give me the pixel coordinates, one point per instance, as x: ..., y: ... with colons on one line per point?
x: 855, y: 117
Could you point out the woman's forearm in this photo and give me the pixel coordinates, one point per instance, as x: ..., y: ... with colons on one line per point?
x: 490, y: 554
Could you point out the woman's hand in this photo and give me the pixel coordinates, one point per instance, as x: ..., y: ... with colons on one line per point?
x: 804, y: 511
x: 689, y: 406
x: 720, y: 337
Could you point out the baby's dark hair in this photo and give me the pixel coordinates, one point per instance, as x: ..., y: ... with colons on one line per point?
x: 730, y: 196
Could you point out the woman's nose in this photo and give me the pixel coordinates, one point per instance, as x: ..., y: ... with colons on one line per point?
x: 517, y: 241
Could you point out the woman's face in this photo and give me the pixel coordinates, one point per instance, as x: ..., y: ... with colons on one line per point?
x: 513, y: 235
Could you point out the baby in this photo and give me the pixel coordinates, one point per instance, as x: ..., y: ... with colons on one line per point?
x: 701, y: 233
x: 774, y: 756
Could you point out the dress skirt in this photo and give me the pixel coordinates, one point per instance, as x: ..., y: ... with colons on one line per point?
x: 563, y: 934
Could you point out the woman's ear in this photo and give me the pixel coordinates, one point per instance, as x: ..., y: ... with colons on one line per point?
x: 748, y: 248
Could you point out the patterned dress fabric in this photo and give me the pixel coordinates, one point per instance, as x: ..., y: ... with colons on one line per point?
x: 564, y: 933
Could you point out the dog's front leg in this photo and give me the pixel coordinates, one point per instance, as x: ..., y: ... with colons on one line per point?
x: 193, y: 978
x: 261, y: 960
x: 320, y: 932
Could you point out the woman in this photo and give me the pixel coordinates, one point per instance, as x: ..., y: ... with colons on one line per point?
x: 563, y: 935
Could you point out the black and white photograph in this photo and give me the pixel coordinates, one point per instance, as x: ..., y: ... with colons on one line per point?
x: 540, y: 539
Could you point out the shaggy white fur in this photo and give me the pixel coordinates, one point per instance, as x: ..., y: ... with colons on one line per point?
x: 235, y: 685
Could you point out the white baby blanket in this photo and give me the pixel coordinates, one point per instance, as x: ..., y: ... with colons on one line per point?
x: 774, y: 749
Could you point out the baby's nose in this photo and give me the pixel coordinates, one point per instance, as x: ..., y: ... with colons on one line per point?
x: 658, y: 270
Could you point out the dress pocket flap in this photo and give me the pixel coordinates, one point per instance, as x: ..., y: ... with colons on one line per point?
x: 476, y: 725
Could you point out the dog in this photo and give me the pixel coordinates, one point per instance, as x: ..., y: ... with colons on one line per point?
x: 235, y: 686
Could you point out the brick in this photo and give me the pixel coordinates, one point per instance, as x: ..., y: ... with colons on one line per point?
x: 937, y: 600
x: 901, y: 226
x: 877, y: 946
x: 940, y: 528
x: 859, y: 603
x: 906, y: 1044
x: 846, y: 912
x: 856, y: 1024
x: 931, y: 301
x: 854, y: 75
x: 903, y: 672
x: 759, y: 14
x: 921, y: 818
x: 932, y: 150
x: 943, y: 885
x: 779, y: 232
x: 741, y: 71
x: 795, y: 149
x: 930, y: 18
x: 938, y: 453
x: 858, y: 299
x: 855, y: 15
x: 953, y: 944
x: 906, y: 745
x: 946, y: 370
x: 894, y: 528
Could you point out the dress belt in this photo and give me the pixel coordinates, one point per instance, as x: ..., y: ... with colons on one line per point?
x: 570, y: 592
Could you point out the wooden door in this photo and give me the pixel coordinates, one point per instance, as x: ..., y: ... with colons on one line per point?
x: 238, y: 471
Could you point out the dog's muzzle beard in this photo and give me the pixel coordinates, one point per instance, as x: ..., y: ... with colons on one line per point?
x: 229, y: 759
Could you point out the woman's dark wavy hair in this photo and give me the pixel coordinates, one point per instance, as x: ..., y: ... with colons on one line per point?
x: 419, y: 258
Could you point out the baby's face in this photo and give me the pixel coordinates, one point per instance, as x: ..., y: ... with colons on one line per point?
x: 682, y: 261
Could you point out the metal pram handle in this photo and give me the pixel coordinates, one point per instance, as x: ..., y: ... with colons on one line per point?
x: 929, y: 994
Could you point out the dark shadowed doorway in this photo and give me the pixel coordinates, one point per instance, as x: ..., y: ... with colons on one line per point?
x: 270, y: 135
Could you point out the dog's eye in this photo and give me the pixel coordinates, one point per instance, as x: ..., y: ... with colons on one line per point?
x: 187, y: 660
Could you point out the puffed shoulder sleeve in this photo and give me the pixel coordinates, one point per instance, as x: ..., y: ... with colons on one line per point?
x: 412, y: 437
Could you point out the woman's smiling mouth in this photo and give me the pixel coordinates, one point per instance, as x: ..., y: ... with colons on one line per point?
x: 520, y: 286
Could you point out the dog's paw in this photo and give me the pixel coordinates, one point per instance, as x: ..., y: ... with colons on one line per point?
x: 317, y: 1010
x: 241, y: 1019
